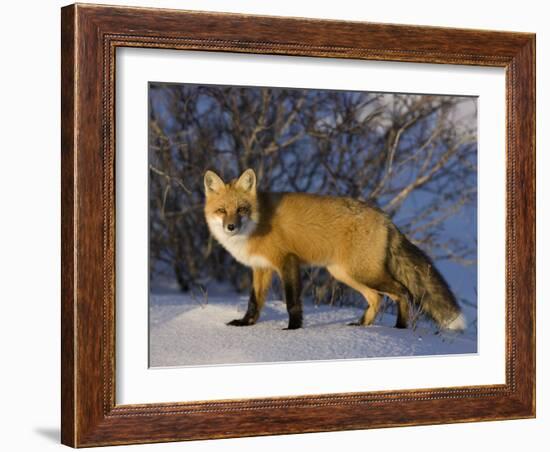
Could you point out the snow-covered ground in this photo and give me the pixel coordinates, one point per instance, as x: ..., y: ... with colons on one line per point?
x: 191, y: 330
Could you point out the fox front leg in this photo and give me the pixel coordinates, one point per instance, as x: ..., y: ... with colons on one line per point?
x: 261, y: 281
x: 290, y: 275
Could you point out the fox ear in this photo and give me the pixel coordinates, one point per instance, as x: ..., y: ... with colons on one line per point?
x: 247, y: 181
x: 212, y: 183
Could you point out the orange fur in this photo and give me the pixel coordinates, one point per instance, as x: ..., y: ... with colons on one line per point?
x: 350, y: 238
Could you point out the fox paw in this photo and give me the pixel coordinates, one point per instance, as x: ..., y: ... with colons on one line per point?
x: 240, y: 322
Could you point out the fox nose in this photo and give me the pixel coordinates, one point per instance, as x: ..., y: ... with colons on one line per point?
x: 231, y: 227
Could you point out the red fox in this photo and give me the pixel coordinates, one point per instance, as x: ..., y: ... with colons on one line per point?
x: 357, y: 243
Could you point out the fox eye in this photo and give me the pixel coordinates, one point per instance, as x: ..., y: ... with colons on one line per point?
x: 242, y: 210
x: 221, y: 211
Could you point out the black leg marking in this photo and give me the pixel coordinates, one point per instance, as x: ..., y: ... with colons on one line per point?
x: 292, y: 286
x: 402, y: 313
x: 261, y: 278
x: 251, y: 314
x: 401, y: 295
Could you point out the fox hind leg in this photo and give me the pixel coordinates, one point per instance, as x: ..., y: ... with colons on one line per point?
x: 402, y: 313
x: 401, y: 295
x: 372, y: 290
x: 374, y: 298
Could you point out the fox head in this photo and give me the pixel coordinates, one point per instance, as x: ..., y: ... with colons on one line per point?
x: 231, y: 208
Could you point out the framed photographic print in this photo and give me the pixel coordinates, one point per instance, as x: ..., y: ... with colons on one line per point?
x: 281, y: 225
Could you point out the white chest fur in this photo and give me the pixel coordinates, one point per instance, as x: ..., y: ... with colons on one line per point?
x: 237, y: 246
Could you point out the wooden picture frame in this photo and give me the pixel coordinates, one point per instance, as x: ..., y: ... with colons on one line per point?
x: 90, y: 36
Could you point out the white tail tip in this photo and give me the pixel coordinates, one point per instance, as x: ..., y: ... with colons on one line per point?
x: 458, y: 324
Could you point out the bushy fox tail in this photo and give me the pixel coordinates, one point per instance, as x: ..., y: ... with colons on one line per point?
x: 429, y: 290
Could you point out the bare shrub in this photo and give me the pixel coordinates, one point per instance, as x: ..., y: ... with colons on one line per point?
x: 415, y: 156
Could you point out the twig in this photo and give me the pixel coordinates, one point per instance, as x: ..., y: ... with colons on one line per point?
x: 170, y: 178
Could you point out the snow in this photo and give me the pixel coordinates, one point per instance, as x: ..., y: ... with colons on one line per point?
x: 190, y: 330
